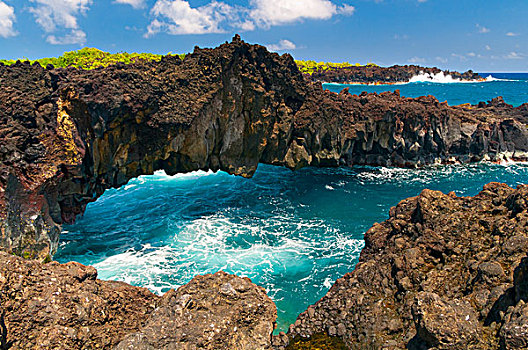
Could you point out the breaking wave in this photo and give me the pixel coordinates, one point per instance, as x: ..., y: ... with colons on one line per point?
x: 294, y: 233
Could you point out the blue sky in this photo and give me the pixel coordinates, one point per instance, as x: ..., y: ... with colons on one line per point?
x: 483, y: 35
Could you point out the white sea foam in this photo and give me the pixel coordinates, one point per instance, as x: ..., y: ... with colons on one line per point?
x: 437, y: 78
x: 492, y: 78
x: 442, y: 78
x: 279, y: 245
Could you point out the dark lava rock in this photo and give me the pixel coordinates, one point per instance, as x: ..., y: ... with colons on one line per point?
x: 64, y: 306
x: 514, y: 332
x: 444, y: 325
x: 54, y: 306
x: 67, y: 135
x: 440, y: 273
x: 383, y: 75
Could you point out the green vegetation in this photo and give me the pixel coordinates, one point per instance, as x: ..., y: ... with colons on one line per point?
x: 310, y: 66
x: 91, y: 58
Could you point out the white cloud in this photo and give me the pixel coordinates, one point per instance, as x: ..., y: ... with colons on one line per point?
x: 61, y: 16
x: 178, y: 17
x: 514, y: 56
x: 76, y: 36
x: 282, y: 45
x: 482, y: 29
x: 471, y: 54
x: 7, y: 19
x: 401, y: 37
x: 488, y: 47
x: 267, y: 13
x: 512, y: 34
x: 416, y: 59
x: 461, y: 57
x: 137, y: 4
x: 441, y: 59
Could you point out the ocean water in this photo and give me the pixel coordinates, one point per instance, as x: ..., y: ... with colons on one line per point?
x: 294, y: 233
x: 512, y: 86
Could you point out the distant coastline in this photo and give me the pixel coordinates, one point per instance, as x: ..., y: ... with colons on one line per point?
x: 376, y: 75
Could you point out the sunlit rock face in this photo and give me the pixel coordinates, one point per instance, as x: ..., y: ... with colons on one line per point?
x: 67, y: 134
x: 65, y: 306
x: 443, y: 272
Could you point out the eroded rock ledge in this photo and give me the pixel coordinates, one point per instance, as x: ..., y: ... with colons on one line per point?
x: 67, y: 135
x: 64, y: 306
x: 443, y: 272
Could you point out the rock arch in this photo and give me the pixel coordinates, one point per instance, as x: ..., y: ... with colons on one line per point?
x: 68, y: 134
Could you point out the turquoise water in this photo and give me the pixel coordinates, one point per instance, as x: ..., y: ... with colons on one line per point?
x: 512, y: 86
x: 293, y: 233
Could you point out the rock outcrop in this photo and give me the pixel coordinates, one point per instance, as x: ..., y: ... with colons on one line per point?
x: 67, y: 135
x: 64, y: 306
x: 443, y: 272
x: 372, y: 74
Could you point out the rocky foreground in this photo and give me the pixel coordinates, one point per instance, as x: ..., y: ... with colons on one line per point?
x: 54, y: 306
x: 67, y: 135
x: 372, y: 74
x: 443, y: 272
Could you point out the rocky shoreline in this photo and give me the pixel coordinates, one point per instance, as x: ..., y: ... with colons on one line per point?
x: 67, y: 135
x: 443, y: 272
x: 375, y: 75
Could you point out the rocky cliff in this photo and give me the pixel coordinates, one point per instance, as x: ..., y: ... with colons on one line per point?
x: 67, y: 135
x: 443, y: 272
x: 372, y: 74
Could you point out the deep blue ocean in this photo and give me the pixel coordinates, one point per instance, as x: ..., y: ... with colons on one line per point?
x: 293, y: 233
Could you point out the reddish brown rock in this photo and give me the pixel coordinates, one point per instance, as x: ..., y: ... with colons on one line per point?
x: 440, y: 273
x: 217, y: 311
x: 64, y: 306
x: 54, y: 306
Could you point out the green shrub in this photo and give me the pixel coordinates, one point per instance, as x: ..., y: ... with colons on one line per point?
x: 311, y: 66
x: 91, y: 58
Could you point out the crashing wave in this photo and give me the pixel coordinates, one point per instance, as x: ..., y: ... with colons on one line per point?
x: 437, y: 78
x: 442, y: 78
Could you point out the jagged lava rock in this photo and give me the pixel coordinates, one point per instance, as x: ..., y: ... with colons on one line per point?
x: 217, y: 311
x: 67, y: 135
x: 64, y: 306
x: 443, y: 272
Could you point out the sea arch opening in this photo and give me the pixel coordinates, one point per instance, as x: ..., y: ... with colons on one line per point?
x: 294, y: 233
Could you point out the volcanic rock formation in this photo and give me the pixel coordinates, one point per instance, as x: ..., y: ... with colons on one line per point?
x: 443, y: 272
x: 67, y: 135
x: 64, y: 306
x: 373, y: 74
